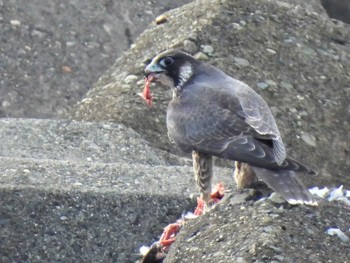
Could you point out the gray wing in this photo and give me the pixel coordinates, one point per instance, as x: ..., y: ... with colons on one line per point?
x: 258, y: 115
x: 215, y: 121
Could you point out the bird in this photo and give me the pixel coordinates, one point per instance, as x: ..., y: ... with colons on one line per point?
x: 212, y: 114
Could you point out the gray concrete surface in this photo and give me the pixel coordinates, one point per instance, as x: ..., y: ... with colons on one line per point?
x: 95, y: 192
x: 51, y: 52
x: 86, y: 192
x: 249, y: 231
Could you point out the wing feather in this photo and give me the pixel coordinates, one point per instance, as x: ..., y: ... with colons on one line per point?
x: 258, y: 115
x: 214, y: 126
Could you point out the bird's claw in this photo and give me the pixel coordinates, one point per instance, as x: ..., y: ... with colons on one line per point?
x: 168, y: 236
x: 158, y: 250
x: 215, y: 197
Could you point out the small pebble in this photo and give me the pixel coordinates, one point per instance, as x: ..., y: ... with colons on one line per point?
x: 286, y: 85
x: 279, y: 258
x: 293, y: 110
x: 290, y: 40
x: 262, y: 85
x: 201, y: 56
x: 308, y: 51
x: 63, y: 218
x: 308, y: 138
x: 299, y: 97
x: 190, y: 46
x: 70, y: 43
x: 340, y: 234
x: 303, y: 113
x: 130, y: 79
x: 270, y: 82
x: 6, y: 104
x: 161, y: 19
x: 241, y: 62
x: 276, y: 198
x: 220, y: 238
x: 15, y: 22
x: 237, y: 26
x: 271, y: 51
x: 276, y: 249
x: 241, y: 260
x: 66, y: 69
x: 268, y: 229
x: 219, y: 254
x: 207, y: 49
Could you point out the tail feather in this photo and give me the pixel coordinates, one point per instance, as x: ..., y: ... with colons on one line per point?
x: 291, y: 164
x: 287, y: 184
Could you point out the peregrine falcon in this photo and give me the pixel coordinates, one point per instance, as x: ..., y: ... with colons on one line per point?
x: 213, y: 114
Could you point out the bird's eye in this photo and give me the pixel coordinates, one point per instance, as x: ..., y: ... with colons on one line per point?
x: 167, y: 61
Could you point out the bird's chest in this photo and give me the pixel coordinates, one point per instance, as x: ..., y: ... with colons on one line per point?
x: 179, y: 119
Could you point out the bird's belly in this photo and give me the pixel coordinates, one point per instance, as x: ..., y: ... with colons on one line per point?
x: 176, y: 130
x: 176, y: 136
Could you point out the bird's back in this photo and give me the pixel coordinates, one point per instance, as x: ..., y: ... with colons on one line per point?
x: 210, y: 118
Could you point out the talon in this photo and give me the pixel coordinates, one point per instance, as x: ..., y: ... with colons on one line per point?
x: 168, y: 236
x: 200, y: 207
x: 215, y: 197
x: 167, y: 243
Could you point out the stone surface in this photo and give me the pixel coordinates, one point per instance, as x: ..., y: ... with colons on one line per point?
x: 52, y: 52
x: 58, y: 225
x: 95, y: 192
x: 310, y: 73
x: 86, y: 192
x: 263, y: 232
x: 74, y: 141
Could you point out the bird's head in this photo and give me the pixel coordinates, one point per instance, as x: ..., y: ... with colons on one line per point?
x: 172, y: 68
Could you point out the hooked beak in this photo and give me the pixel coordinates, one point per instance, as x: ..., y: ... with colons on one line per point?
x: 153, y: 68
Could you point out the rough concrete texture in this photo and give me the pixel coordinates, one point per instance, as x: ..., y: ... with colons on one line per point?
x: 74, y: 141
x: 85, y: 192
x: 264, y: 232
x: 58, y: 225
x: 298, y: 60
x: 95, y: 192
x: 52, y: 52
